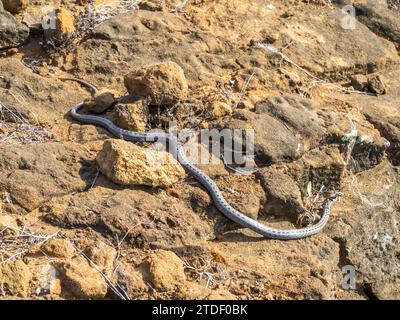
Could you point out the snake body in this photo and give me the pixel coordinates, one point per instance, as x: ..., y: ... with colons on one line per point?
x: 223, y: 206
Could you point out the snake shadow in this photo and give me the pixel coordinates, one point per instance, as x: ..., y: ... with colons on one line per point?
x: 239, y: 236
x: 228, y: 231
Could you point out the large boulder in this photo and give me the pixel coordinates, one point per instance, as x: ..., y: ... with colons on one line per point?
x: 378, y: 18
x: 12, y: 32
x: 287, y: 127
x: 383, y: 112
x: 145, y: 219
x: 32, y: 174
x: 331, y: 50
x: 366, y: 224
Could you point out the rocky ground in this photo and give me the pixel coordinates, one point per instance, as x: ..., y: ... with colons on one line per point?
x: 83, y: 215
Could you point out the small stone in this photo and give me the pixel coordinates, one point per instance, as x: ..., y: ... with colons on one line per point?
x: 164, y: 83
x: 64, y: 25
x: 130, y: 280
x: 376, y: 84
x: 246, y: 104
x: 15, y: 6
x: 132, y: 115
x: 81, y: 280
x: 220, y: 109
x: 359, y: 82
x: 12, y: 32
x: 294, y: 79
x: 15, y: 277
x: 58, y: 248
x: 128, y: 164
x: 102, y: 255
x: 43, y: 70
x: 8, y: 225
x: 186, y: 112
x: 166, y: 270
x: 102, y: 100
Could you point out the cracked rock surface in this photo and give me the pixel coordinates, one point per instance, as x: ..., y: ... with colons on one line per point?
x: 83, y: 212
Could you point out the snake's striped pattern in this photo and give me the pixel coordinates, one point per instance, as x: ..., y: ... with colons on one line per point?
x: 223, y: 206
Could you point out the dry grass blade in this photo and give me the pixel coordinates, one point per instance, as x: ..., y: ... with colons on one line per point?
x: 16, y: 129
x: 313, y: 204
x: 202, y: 269
x: 115, y: 288
x: 15, y: 243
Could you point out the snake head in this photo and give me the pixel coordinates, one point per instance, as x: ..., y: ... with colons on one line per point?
x: 335, y: 197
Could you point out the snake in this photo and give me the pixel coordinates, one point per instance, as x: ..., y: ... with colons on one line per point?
x: 178, y: 152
